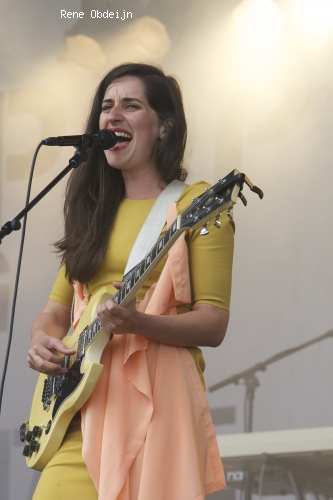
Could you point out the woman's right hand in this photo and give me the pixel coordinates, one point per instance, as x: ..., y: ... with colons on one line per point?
x: 47, y: 351
x: 46, y: 354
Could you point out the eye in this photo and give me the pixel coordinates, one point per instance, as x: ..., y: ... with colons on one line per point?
x: 132, y: 106
x: 106, y: 107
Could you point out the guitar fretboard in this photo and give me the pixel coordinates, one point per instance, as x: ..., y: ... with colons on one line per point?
x: 146, y: 265
x: 86, y: 336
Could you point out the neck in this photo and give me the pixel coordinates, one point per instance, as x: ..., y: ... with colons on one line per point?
x: 142, y: 185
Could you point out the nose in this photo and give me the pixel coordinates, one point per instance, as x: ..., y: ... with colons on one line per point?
x: 114, y: 114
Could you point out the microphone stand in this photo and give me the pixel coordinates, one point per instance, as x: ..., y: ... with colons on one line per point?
x: 81, y: 155
x: 251, y: 382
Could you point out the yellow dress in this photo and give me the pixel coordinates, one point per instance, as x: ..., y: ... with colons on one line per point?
x: 210, y: 259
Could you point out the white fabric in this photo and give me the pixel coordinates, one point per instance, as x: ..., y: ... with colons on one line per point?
x: 153, y: 224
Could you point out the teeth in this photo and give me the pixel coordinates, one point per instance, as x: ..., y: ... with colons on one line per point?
x: 123, y: 134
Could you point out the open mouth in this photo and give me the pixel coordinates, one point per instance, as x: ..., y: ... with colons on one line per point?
x: 123, y: 137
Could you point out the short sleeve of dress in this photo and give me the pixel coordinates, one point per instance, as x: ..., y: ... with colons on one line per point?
x: 62, y: 290
x: 210, y: 256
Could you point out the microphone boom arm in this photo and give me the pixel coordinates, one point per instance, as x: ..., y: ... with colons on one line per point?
x: 261, y: 366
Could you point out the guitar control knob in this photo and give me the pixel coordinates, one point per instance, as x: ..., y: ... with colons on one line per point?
x: 48, y: 427
x: 23, y: 430
x: 26, y: 451
x: 34, y: 446
x: 28, y: 436
x: 37, y: 431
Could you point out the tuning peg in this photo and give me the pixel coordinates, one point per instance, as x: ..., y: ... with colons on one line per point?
x: 217, y: 222
x: 231, y: 213
x: 204, y: 230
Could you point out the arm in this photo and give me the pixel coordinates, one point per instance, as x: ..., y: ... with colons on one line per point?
x: 47, y: 331
x: 205, y: 325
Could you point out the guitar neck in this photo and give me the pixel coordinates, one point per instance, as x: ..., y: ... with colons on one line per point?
x: 141, y: 272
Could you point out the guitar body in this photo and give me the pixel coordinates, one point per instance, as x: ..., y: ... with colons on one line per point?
x: 52, y: 411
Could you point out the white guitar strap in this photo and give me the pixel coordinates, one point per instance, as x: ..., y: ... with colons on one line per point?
x: 153, y: 225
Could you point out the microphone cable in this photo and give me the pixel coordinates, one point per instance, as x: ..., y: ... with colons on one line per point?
x: 18, y: 270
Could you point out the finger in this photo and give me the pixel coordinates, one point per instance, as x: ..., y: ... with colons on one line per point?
x: 103, y: 308
x: 116, y: 310
x: 39, y: 364
x: 47, y: 351
x: 107, y: 309
x: 44, y: 361
x: 113, y: 308
x: 117, y: 284
x: 59, y: 346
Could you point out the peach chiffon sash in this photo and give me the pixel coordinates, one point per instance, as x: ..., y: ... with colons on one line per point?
x: 147, y: 429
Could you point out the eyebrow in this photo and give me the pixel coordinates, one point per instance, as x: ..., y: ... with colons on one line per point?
x: 125, y: 99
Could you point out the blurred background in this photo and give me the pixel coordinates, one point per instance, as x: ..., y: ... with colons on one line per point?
x: 257, y: 81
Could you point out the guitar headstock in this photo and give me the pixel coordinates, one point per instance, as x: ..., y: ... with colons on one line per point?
x: 222, y: 196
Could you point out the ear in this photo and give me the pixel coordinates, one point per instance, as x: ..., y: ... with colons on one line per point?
x: 165, y: 127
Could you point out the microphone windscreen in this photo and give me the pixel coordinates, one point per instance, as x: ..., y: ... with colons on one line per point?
x: 108, y: 138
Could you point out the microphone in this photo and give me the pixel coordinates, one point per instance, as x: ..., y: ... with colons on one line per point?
x: 104, y: 138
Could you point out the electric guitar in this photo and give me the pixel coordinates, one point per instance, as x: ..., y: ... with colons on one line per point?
x: 57, y: 399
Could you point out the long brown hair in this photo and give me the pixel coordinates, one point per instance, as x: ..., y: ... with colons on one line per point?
x: 95, y: 190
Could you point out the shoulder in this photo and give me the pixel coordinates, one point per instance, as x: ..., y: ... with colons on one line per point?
x: 190, y: 192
